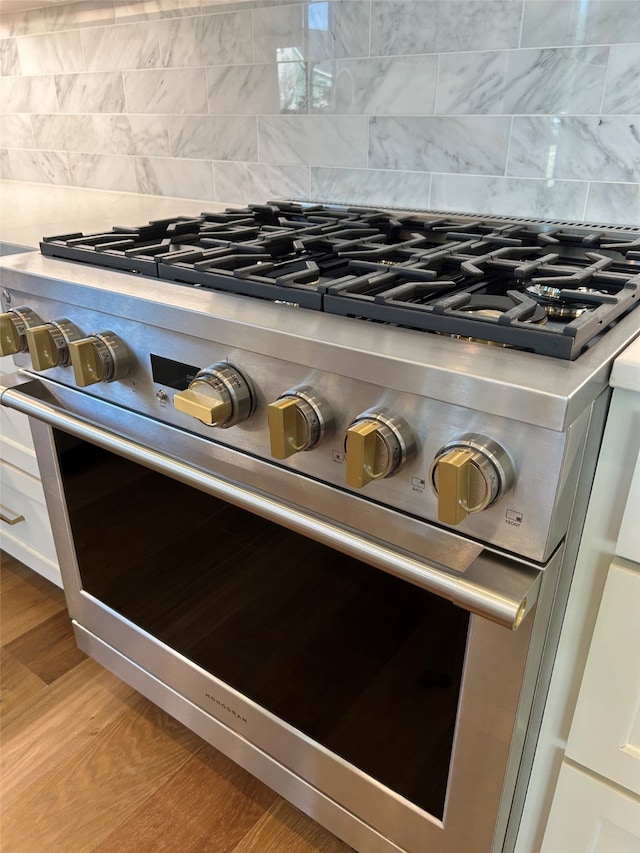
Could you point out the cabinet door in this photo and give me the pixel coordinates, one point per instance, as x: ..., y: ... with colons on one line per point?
x: 589, y: 816
x: 605, y: 733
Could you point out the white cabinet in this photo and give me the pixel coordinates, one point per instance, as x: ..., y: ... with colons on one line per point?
x: 605, y: 732
x: 596, y: 807
x: 25, y: 530
x: 590, y: 816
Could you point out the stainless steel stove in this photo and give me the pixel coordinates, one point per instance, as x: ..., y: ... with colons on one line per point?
x: 318, y: 476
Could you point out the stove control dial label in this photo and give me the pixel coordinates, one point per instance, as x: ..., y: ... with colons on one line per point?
x: 219, y: 396
x: 13, y: 328
x: 101, y: 357
x: 377, y: 445
x: 468, y: 475
x: 49, y: 344
x: 298, y: 420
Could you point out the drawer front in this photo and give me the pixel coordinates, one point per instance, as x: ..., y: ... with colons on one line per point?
x: 16, y: 444
x: 23, y: 504
x: 589, y: 816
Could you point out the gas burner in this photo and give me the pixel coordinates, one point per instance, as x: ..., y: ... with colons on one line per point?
x: 494, y: 307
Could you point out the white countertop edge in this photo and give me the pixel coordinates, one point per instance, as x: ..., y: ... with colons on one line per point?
x: 626, y: 368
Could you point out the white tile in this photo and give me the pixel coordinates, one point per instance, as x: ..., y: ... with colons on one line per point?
x: 622, y: 94
x: 560, y: 81
x: 399, y: 27
x: 471, y: 83
x: 84, y: 13
x: 257, y: 89
x: 369, y: 186
x: 45, y: 167
x: 102, y: 171
x: 206, y: 40
x: 116, y: 48
x: 180, y: 178
x: 90, y: 93
x: 278, y: 34
x: 576, y: 147
x: 471, y: 144
x: 239, y: 183
x: 28, y: 95
x: 568, y: 22
x: 317, y: 140
x: 52, y: 53
x: 131, y: 134
x: 177, y: 90
x: 214, y: 137
x: 509, y: 196
x: 143, y: 10
x: 22, y: 22
x: 403, y: 85
x: 325, y: 30
x: 337, y: 29
x: 9, y: 58
x: 63, y: 132
x: 615, y: 204
x: 16, y: 132
x: 5, y: 166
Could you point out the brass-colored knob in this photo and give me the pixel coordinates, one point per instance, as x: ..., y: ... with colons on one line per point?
x: 101, y: 357
x: 377, y: 445
x: 219, y: 396
x: 13, y: 326
x: 299, y: 420
x: 49, y: 344
x: 200, y: 402
x: 469, y: 475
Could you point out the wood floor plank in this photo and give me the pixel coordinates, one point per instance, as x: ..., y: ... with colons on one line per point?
x: 68, y: 715
x: 26, y: 600
x: 18, y: 684
x: 114, y: 773
x: 285, y: 829
x: 209, y: 804
x: 48, y: 649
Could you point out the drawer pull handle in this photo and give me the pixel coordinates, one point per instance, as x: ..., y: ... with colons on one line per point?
x: 10, y: 517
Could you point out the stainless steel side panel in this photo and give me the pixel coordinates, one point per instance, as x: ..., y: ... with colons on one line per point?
x: 486, y: 583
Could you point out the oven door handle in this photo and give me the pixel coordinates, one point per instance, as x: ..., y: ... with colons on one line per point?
x: 493, y: 586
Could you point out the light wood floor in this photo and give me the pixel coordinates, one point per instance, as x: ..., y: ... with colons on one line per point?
x: 90, y: 765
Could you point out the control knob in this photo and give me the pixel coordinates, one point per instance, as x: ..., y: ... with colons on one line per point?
x: 49, y: 343
x: 298, y: 420
x: 377, y: 445
x: 469, y: 474
x: 219, y: 396
x: 101, y: 357
x: 13, y: 327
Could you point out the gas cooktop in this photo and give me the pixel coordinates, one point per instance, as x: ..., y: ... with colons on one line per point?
x: 552, y: 289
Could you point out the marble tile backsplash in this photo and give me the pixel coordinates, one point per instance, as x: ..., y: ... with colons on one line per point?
x: 515, y: 107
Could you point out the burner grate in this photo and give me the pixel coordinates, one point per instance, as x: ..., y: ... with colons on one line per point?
x: 551, y: 288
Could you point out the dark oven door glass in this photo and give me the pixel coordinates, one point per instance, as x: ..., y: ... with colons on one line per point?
x: 360, y: 661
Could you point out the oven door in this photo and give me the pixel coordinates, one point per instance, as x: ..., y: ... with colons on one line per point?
x: 368, y: 698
